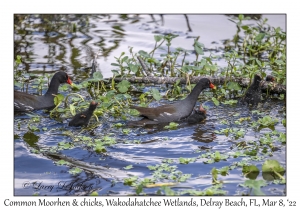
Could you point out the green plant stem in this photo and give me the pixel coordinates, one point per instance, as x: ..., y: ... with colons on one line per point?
x: 66, y: 99
x: 278, y: 174
x: 156, y: 47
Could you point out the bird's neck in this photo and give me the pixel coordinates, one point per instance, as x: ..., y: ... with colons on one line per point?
x: 256, y: 84
x: 192, y: 97
x: 53, y: 87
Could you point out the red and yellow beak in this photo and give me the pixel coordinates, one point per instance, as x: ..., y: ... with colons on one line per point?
x: 211, y: 85
x: 69, y: 81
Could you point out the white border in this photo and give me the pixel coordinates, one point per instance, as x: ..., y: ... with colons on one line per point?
x: 8, y: 8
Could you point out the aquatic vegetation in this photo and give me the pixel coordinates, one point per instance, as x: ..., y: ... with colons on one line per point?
x: 75, y: 171
x: 172, y: 126
x: 128, y: 167
x: 255, y: 185
x: 267, y: 121
x: 186, y: 160
x: 234, y: 140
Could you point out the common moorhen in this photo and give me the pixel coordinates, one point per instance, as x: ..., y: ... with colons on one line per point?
x: 25, y: 102
x: 83, y: 118
x: 172, y: 112
x: 253, y: 94
x: 197, y: 116
x: 270, y: 78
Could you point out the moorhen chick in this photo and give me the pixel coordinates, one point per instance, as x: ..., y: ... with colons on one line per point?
x: 270, y: 78
x: 26, y: 102
x: 172, y: 112
x: 197, y: 116
x: 83, y: 118
x: 253, y: 94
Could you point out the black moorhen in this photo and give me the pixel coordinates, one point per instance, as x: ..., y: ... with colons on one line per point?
x: 197, y: 116
x: 83, y: 118
x: 172, y: 112
x: 25, y: 102
x: 253, y: 94
x: 270, y: 78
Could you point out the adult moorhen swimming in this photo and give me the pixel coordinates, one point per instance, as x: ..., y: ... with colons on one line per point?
x: 197, y: 116
x: 172, y: 112
x: 253, y: 94
x: 25, y: 102
x: 83, y: 118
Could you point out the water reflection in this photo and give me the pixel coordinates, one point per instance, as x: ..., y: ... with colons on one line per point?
x: 203, y: 134
x: 62, y: 39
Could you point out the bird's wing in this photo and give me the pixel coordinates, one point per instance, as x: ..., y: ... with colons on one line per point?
x: 155, y: 113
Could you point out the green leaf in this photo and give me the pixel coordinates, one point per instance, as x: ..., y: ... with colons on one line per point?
x: 123, y: 86
x: 156, y: 94
x: 58, y: 99
x: 139, y: 189
x: 267, y: 121
x: 64, y: 145
x: 245, y: 27
x: 172, y: 126
x: 133, y: 68
x: 134, y: 112
x: 256, y: 185
x: 62, y: 162
x: 216, y: 102
x: 251, y: 173
x: 214, y: 173
x: 282, y: 137
x: 116, y: 72
x: 144, y: 54
x: 258, y: 62
x: 18, y: 59
x: 199, y: 50
x: 118, y: 125
x: 186, y: 160
x: 259, y: 37
x: 99, y: 148
x: 98, y: 76
x: 249, y: 169
x: 157, y: 38
x: 180, y: 49
x: 94, y: 193
x: 168, y: 191
x: 30, y: 138
x: 217, y: 155
x: 241, y: 17
x: 72, y: 109
x: 230, y: 102
x: 125, y: 58
x: 224, y: 170
x: 233, y: 86
x: 128, y: 167
x: 271, y: 166
x: 75, y: 171
x: 130, y: 181
x: 281, y: 97
x: 126, y: 131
